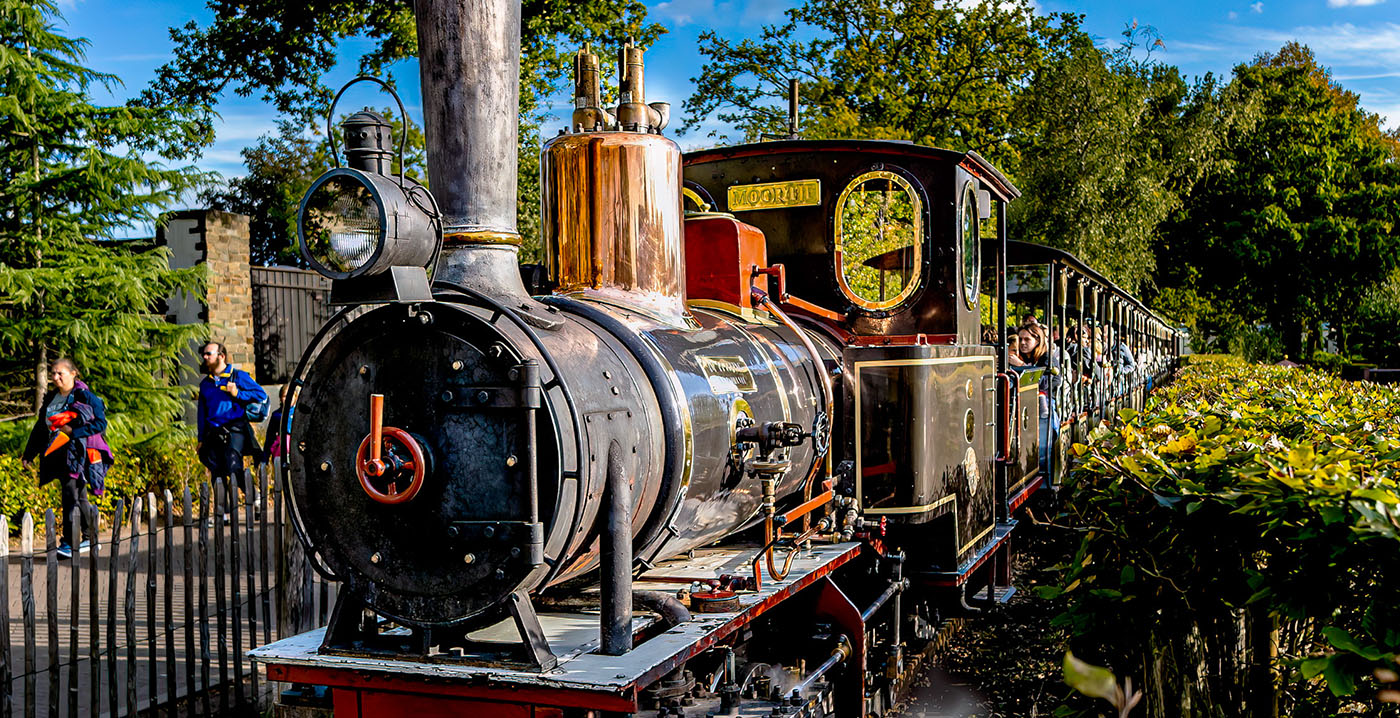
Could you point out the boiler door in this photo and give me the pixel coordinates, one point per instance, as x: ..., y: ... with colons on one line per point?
x: 452, y: 384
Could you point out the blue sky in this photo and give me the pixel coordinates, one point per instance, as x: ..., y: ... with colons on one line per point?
x: 1358, y: 39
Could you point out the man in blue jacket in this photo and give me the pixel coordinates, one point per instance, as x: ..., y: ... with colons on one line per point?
x: 225, y: 436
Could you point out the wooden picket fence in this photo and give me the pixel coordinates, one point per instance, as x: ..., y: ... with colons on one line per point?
x: 159, y: 617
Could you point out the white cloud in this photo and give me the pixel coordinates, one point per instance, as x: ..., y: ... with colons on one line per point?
x: 1378, y: 76
x: 685, y: 12
x: 764, y: 12
x: 244, y: 129
x: 1257, y: 7
x: 1342, y: 44
x: 1353, y: 3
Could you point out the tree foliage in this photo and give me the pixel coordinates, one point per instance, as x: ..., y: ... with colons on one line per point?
x: 1299, y: 215
x: 1114, y: 140
x: 281, y: 52
x: 281, y: 168
x: 937, y: 73
x: 71, y: 179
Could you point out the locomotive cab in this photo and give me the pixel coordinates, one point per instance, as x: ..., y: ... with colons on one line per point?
x: 877, y: 247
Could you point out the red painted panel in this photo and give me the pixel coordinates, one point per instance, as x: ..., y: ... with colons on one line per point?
x: 392, y: 705
x: 720, y: 255
x: 345, y: 703
x: 362, y: 681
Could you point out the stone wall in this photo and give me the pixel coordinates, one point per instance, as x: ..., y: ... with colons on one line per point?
x: 220, y: 241
x: 229, y: 293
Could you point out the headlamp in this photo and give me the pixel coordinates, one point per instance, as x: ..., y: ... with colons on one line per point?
x: 373, y: 233
x: 356, y: 224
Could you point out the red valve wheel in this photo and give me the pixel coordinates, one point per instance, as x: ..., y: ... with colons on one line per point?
x: 402, y: 458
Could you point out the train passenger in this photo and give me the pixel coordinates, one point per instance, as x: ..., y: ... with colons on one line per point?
x: 1014, y: 358
x: 1127, y: 368
x: 1037, y: 351
x: 1031, y: 346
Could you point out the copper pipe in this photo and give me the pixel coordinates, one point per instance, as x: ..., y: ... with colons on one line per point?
x: 806, y: 508
x: 823, y: 384
x: 792, y: 554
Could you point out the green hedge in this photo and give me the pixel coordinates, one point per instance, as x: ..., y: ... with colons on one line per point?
x: 140, y: 467
x: 1241, y: 550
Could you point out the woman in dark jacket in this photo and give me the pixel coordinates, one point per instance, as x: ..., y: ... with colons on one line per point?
x: 67, y: 438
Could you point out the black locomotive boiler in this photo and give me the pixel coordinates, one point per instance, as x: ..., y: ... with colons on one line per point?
x: 748, y: 428
x: 519, y: 434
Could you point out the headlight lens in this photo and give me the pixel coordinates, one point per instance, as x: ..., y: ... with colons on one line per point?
x: 342, y: 224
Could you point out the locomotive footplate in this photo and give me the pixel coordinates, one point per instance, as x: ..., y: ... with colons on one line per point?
x: 583, y: 677
x: 984, y: 577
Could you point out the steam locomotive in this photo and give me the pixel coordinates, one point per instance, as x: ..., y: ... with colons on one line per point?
x: 738, y: 453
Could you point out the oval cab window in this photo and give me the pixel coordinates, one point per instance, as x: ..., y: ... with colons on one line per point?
x: 971, y: 245
x: 879, y: 240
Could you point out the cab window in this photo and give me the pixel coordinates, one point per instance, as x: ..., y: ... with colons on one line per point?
x: 879, y: 240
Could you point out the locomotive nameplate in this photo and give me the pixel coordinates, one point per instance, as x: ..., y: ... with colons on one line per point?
x: 775, y: 195
x: 727, y: 374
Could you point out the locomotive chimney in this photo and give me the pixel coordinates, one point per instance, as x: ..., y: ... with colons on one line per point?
x: 469, y: 64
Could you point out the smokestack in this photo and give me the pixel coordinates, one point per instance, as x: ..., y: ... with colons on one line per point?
x: 469, y: 62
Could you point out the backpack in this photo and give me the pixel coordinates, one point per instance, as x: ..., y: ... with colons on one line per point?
x: 257, y: 411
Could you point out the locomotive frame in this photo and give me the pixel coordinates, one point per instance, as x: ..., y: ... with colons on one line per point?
x: 696, y: 401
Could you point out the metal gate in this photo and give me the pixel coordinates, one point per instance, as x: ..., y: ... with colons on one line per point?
x: 289, y: 306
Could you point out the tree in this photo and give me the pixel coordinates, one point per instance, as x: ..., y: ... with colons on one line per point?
x: 1114, y: 141
x: 282, y: 50
x: 937, y: 73
x: 1375, y: 332
x: 281, y: 168
x: 1302, y: 213
x: 70, y: 179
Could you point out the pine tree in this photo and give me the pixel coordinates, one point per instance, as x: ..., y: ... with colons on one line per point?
x: 74, y: 176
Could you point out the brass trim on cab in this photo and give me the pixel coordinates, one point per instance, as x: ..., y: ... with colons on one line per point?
x: 838, y: 240
x: 860, y: 437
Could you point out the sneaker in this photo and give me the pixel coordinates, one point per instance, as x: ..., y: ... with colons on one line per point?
x: 87, y: 545
x: 65, y: 551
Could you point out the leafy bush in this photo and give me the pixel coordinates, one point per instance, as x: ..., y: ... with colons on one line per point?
x: 1328, y: 362
x: 1248, y: 512
x: 1190, y: 359
x: 150, y: 466
x: 1257, y: 344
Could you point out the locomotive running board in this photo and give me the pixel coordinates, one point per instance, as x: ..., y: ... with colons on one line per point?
x: 583, y: 677
x: 354, y: 631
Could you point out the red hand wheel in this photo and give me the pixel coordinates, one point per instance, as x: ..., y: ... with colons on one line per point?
x: 390, y: 464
